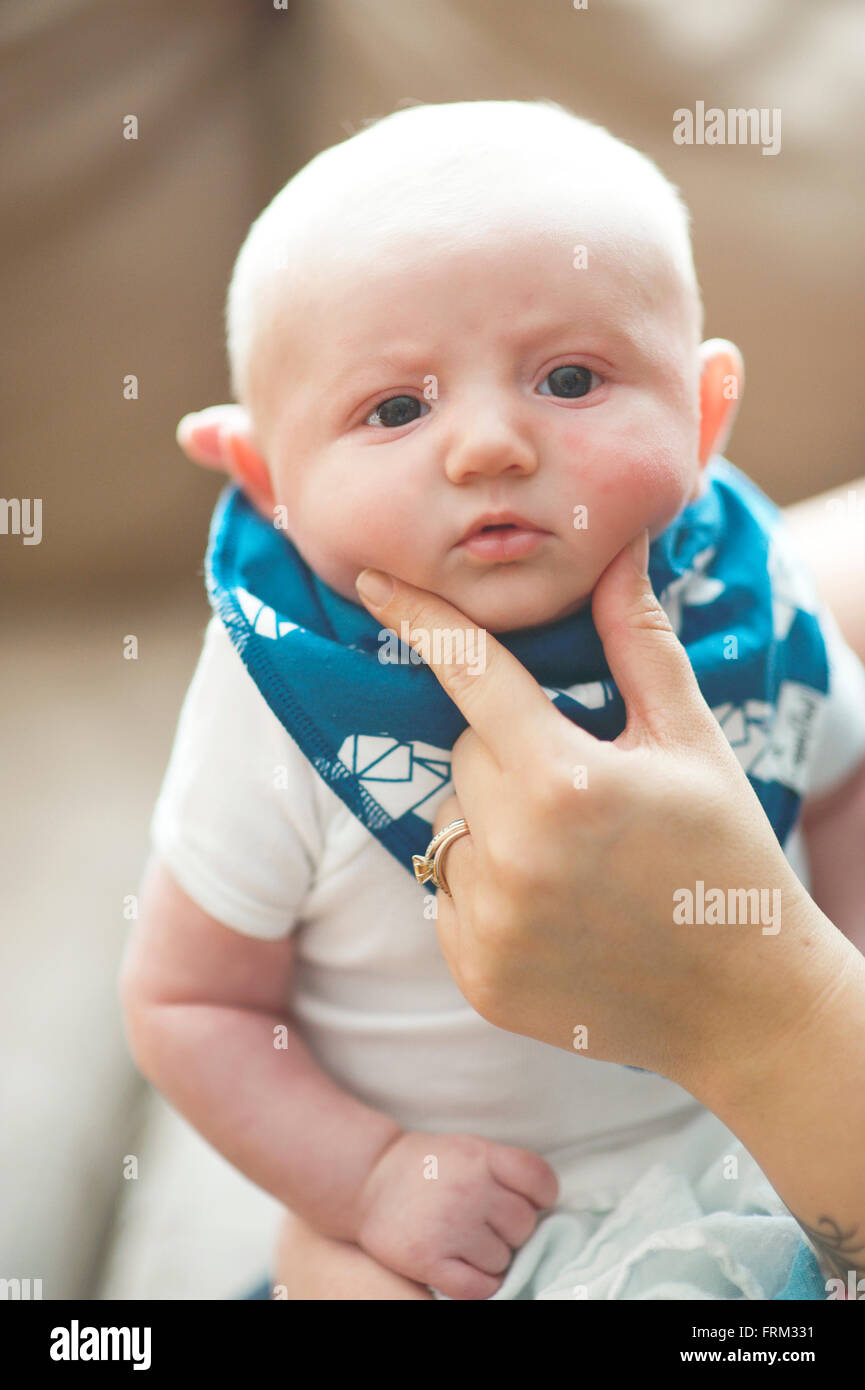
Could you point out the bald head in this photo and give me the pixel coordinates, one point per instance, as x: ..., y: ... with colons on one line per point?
x: 457, y: 178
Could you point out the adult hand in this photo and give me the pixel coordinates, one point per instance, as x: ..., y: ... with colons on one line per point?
x: 562, y: 918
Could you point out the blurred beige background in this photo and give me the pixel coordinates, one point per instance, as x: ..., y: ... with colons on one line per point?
x: 116, y: 258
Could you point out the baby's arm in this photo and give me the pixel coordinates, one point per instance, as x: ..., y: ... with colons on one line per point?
x: 204, y: 1007
x: 834, y: 828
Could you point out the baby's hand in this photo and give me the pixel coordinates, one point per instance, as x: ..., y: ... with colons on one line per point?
x: 449, y: 1210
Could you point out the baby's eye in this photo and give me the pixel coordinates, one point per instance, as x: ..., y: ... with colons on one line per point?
x: 397, y: 410
x: 569, y: 381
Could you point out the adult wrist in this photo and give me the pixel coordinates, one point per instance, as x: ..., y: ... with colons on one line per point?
x: 751, y: 1066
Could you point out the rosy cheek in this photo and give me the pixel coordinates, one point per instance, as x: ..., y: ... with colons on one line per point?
x: 597, y: 469
x: 623, y: 487
x: 569, y: 438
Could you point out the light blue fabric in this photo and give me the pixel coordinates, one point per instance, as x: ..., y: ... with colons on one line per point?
x: 380, y: 732
x: 806, y: 1281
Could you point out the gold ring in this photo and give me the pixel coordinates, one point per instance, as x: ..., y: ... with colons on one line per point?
x: 431, y: 864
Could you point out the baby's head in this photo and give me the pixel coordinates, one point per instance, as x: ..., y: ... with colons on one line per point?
x: 466, y: 310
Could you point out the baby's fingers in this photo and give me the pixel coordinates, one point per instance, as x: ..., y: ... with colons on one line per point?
x: 512, y: 1217
x: 484, y: 1248
x: 458, y: 1279
x: 526, y: 1173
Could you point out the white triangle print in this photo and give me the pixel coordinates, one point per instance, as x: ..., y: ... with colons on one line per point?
x: 359, y: 750
x: 734, y: 725
x: 265, y: 623
x: 591, y: 694
x: 249, y: 603
x: 431, y: 753
x: 443, y: 769
x: 395, y: 766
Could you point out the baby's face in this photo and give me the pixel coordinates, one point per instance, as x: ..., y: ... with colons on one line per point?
x: 422, y: 387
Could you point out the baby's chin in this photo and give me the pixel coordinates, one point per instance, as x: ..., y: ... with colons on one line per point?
x: 508, y: 607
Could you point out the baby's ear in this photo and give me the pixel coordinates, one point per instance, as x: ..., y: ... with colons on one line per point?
x: 722, y: 381
x: 201, y: 434
x: 222, y: 437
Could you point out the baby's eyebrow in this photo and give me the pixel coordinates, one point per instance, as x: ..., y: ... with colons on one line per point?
x: 409, y: 359
x: 399, y: 358
x: 587, y: 333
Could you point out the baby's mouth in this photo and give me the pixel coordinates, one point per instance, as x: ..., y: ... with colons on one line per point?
x: 503, y: 541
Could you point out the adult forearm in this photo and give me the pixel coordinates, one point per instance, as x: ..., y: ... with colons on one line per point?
x: 250, y: 1085
x: 800, y: 1112
x: 830, y: 530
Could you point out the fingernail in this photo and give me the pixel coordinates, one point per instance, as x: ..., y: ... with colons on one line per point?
x: 374, y: 586
x: 640, y: 554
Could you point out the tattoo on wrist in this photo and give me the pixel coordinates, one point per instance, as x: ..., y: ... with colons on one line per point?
x: 839, y: 1251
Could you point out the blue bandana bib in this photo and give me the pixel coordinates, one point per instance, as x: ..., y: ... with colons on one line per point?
x: 375, y: 723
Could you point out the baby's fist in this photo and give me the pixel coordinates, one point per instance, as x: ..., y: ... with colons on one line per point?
x: 449, y: 1210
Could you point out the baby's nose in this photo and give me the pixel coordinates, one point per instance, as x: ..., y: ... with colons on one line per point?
x: 488, y: 451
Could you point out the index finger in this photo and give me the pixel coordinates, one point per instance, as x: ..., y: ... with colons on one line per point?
x: 500, y: 699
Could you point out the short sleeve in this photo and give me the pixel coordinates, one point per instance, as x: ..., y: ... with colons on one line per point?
x: 236, y: 819
x: 840, y: 739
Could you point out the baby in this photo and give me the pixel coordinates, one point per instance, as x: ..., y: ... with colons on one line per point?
x: 467, y: 345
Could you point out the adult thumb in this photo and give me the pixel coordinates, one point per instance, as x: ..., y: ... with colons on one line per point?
x: 646, y: 658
